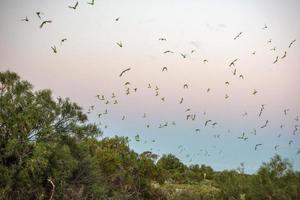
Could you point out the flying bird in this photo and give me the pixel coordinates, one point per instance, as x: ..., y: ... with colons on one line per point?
x: 206, y: 122
x: 290, y: 45
x: 241, y: 76
x: 234, y: 72
x: 164, y: 69
x: 54, y: 49
x: 285, y: 111
x: 168, y: 51
x: 205, y: 61
x: 63, y: 40
x: 254, y: 92
x: 181, y: 101
x: 126, y: 70
x: 226, y: 96
x: 162, y: 39
x: 257, y: 145
x: 284, y: 55
x: 25, y: 19
x: 185, y: 86
x: 183, y: 55
x: 45, y: 22
x: 193, y: 51
x: 276, y: 147
x: 265, y: 125
x: 117, y: 19
x: 227, y: 83
x: 276, y: 60
x: 39, y: 14
x: 119, y: 44
x: 208, y: 89
x: 75, y: 6
x: 92, y: 2
x: 232, y: 63
x: 238, y: 35
x: 265, y: 27
x: 261, y: 110
x: 273, y: 49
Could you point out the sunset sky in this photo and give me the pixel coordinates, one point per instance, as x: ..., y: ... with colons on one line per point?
x: 90, y: 61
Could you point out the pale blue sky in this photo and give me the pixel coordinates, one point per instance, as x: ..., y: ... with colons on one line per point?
x: 89, y: 63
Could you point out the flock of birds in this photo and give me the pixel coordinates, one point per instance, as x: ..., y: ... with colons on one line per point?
x: 189, y: 115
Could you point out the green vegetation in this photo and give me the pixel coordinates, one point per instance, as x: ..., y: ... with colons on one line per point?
x: 49, y: 150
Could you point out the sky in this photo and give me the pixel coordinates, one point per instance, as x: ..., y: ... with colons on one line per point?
x: 89, y: 62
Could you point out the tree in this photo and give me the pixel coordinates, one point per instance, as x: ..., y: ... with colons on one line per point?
x: 35, y: 133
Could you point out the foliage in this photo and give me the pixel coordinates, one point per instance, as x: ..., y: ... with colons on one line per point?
x: 48, y: 147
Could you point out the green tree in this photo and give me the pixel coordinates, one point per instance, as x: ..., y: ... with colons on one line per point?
x: 35, y: 133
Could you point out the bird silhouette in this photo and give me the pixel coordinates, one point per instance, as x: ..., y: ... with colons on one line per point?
x: 284, y: 55
x: 39, y: 14
x: 261, y: 110
x: 162, y: 39
x: 25, y: 19
x: 168, y: 51
x: 265, y: 125
x: 265, y: 27
x: 181, y: 101
x: 193, y: 51
x: 183, y: 55
x: 290, y: 45
x: 54, y: 49
x: 254, y: 52
x: 254, y: 92
x: 242, y: 137
x: 276, y: 147
x: 226, y: 96
x: 45, y: 22
x: 276, y: 60
x: 206, y: 122
x: 270, y: 40
x: 238, y: 35
x: 117, y: 19
x: 75, y: 6
x: 126, y: 70
x: 205, y: 61
x: 256, y: 146
x: 63, y: 40
x: 241, y: 76
x: 234, y: 72
x: 185, y: 86
x: 232, y: 63
x: 285, y: 111
x: 92, y: 2
x: 214, y: 124
x: 227, y: 83
x: 119, y: 44
x: 208, y: 89
x: 164, y: 69
x: 273, y: 49
x: 245, y: 114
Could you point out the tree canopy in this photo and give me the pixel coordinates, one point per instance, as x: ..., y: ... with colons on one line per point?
x: 49, y: 150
